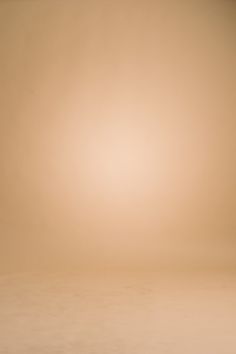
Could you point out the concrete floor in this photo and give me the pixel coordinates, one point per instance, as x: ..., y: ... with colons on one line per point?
x: 118, y: 314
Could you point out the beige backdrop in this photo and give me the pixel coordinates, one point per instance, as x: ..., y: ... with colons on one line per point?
x: 84, y: 81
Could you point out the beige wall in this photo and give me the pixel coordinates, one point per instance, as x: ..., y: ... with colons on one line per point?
x: 160, y: 71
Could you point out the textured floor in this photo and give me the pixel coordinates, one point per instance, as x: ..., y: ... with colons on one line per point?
x: 192, y: 314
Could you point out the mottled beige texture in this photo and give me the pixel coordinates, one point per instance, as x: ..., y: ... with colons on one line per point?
x: 117, y: 177
x: 94, y: 93
x: 144, y: 314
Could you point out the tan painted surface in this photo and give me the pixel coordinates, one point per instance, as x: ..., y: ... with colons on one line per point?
x: 117, y: 133
x: 117, y: 177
